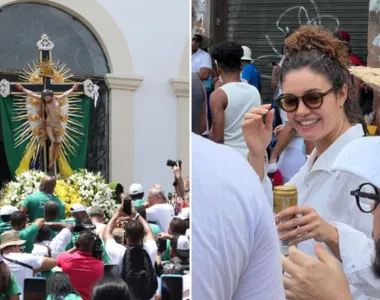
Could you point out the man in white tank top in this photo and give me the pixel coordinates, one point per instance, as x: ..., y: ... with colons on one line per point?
x: 231, y: 101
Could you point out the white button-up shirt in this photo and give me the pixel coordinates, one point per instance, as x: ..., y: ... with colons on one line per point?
x: 362, y: 158
x: 328, y: 192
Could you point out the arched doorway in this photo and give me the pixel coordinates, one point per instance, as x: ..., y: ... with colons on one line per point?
x: 21, y: 26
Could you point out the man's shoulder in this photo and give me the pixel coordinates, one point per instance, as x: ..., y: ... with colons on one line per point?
x: 37, y: 196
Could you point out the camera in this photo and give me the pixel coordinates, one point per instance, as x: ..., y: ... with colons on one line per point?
x: 173, y: 163
x: 80, y: 226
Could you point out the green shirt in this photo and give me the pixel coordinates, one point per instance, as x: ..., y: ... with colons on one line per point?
x: 5, y: 226
x: 68, y: 297
x: 14, y: 289
x: 155, y: 229
x: 29, y: 235
x: 138, y: 202
x: 166, y: 255
x: 35, y: 204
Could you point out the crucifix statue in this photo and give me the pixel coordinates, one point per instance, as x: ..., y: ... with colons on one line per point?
x: 52, y: 124
x: 48, y: 105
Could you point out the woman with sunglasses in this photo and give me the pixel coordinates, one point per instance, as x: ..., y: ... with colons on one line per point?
x: 317, y: 97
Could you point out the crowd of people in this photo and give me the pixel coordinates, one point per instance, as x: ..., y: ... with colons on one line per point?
x: 82, y: 257
x: 313, y: 136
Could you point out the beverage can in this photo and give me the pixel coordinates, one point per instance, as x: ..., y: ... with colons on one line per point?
x: 284, y: 196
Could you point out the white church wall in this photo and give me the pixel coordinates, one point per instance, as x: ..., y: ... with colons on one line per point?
x: 156, y: 32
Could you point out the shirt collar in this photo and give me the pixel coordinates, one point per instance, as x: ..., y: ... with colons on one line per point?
x: 198, y: 51
x: 326, y: 160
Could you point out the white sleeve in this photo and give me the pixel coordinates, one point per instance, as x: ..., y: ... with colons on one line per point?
x: 357, y: 252
x: 60, y: 242
x: 264, y: 260
x: 115, y: 251
x: 151, y: 213
x: 206, y: 61
x: 151, y: 247
x: 34, y: 261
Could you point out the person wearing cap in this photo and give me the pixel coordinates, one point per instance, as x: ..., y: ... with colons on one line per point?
x: 5, y: 214
x: 26, y: 233
x: 136, y: 192
x: 9, y: 289
x: 78, y: 213
x: 360, y: 256
x: 22, y: 265
x: 185, y: 215
x: 34, y: 204
x: 250, y: 72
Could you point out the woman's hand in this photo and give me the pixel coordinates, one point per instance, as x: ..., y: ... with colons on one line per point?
x: 305, y: 227
x: 258, y: 135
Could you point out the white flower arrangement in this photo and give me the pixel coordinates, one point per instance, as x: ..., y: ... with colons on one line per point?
x: 89, y: 188
x: 94, y: 191
x: 15, y: 192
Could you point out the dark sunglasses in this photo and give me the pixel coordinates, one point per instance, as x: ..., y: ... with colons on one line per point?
x: 367, y: 197
x: 313, y: 100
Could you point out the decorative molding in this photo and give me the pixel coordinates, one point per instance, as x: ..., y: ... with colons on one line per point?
x: 180, y: 86
x: 5, y: 88
x: 123, y: 82
x: 44, y: 43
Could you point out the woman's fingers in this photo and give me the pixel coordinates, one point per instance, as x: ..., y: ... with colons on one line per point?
x: 293, y: 223
x: 298, y: 232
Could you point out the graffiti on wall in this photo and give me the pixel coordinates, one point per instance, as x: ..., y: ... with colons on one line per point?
x: 304, y: 18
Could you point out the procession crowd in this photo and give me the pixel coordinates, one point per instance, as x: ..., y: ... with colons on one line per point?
x: 84, y: 257
x: 314, y: 137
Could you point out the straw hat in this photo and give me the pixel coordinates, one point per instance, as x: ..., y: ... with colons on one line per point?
x: 10, y: 238
x: 205, y: 42
x: 369, y: 75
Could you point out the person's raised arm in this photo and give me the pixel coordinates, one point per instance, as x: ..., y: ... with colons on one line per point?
x: 69, y: 92
x: 58, y: 226
x: 258, y: 135
x: 180, y: 186
x: 107, y: 235
x: 47, y: 264
x: 29, y: 93
x: 148, y: 232
x: 218, y: 103
x: 283, y: 139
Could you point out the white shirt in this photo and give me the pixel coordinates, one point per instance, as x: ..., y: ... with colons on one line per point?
x: 328, y: 192
x: 99, y: 227
x: 116, y: 251
x: 161, y: 214
x: 242, y: 98
x: 200, y: 59
x: 21, y: 272
x: 233, y: 226
x: 57, y: 245
x: 360, y: 157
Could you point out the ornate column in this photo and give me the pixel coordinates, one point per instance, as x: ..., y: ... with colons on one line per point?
x: 121, y: 117
x: 181, y: 89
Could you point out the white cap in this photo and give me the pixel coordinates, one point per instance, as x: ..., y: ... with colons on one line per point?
x: 183, y: 243
x: 247, y: 54
x: 184, y: 213
x: 362, y: 158
x: 135, y: 189
x: 77, y: 208
x: 7, y: 210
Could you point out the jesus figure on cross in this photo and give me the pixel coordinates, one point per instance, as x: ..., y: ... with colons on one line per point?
x: 51, y: 104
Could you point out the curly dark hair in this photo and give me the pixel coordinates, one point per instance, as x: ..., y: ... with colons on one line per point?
x: 5, y: 278
x: 228, y: 56
x: 59, y: 285
x: 323, y: 53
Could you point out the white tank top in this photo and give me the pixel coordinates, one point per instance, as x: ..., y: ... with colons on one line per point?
x: 241, y: 98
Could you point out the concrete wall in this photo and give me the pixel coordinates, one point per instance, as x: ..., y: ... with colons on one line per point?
x: 157, y: 33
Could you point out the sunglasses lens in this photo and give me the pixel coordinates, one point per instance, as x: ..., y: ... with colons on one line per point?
x: 313, y: 100
x: 289, y: 103
x: 367, y: 192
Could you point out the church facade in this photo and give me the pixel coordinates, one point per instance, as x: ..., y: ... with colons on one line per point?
x: 139, y: 57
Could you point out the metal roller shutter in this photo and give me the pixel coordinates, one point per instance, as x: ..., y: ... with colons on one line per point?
x: 260, y: 25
